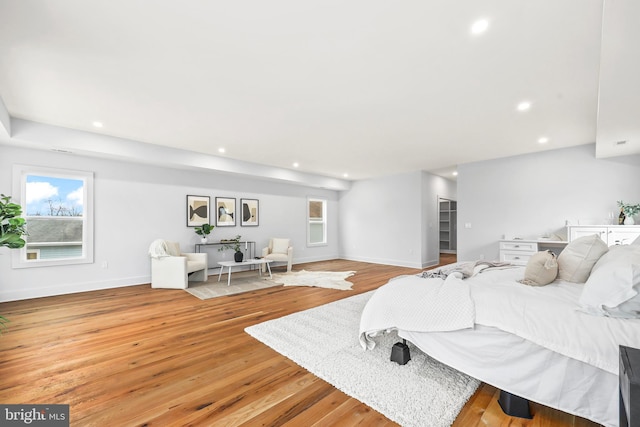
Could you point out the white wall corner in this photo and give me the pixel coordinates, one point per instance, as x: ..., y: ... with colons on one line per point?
x: 5, y: 120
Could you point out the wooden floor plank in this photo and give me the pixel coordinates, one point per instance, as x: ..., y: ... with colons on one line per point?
x: 139, y: 356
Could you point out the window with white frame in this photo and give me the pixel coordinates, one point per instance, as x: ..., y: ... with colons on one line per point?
x: 317, y: 222
x: 58, y: 207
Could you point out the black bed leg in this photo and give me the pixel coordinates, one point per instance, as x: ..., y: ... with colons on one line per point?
x: 400, y: 353
x: 514, y: 406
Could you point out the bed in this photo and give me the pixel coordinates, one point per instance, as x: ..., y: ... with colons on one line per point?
x: 556, y: 344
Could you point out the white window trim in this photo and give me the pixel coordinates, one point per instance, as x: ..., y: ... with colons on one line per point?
x: 324, y: 222
x: 20, y: 172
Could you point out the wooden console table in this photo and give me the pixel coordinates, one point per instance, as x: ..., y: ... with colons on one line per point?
x: 249, y: 247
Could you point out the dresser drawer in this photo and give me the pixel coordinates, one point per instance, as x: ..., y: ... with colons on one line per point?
x: 515, y: 257
x: 519, y: 246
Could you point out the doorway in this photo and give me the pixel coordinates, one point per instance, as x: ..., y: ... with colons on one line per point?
x: 448, y: 225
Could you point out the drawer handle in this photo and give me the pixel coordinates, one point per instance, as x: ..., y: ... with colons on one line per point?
x: 517, y: 246
x: 516, y: 257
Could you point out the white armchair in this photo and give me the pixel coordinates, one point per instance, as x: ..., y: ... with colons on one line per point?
x: 173, y: 269
x: 279, y: 250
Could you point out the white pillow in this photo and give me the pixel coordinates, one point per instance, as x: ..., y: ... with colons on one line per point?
x: 613, y: 288
x: 173, y: 248
x: 577, y: 259
x: 280, y: 246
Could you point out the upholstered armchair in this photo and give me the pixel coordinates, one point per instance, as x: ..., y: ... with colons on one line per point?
x: 173, y: 269
x: 279, y: 250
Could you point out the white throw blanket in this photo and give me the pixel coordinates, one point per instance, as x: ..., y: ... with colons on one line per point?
x: 413, y: 303
x: 158, y: 249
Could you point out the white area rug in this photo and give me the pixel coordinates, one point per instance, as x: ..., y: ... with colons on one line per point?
x: 324, y: 340
x: 240, y: 282
x: 321, y: 279
x: 246, y: 281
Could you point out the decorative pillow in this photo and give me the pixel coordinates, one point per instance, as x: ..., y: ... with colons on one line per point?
x: 613, y: 289
x: 280, y: 246
x: 541, y: 270
x: 173, y: 248
x: 577, y: 259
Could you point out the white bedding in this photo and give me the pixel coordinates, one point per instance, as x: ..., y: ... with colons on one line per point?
x: 546, y: 315
x: 559, y: 356
x: 412, y: 303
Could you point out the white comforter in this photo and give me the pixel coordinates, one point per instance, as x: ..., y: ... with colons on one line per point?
x: 412, y: 303
x: 547, y: 316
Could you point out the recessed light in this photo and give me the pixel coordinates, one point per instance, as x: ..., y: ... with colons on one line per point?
x: 524, y: 106
x: 455, y: 173
x: 345, y: 175
x: 296, y: 164
x: 479, y: 26
x: 97, y: 124
x: 221, y: 150
x: 543, y: 140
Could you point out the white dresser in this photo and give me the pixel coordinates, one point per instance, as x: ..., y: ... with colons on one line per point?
x: 518, y: 251
x: 610, y: 234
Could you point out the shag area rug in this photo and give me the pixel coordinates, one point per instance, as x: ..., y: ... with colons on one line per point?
x: 324, y: 340
x: 321, y: 279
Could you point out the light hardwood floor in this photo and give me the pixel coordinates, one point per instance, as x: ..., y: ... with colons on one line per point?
x: 137, y: 356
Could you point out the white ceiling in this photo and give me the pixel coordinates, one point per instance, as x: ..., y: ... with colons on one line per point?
x: 368, y: 88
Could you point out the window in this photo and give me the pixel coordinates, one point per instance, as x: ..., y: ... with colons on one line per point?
x: 317, y: 228
x: 58, y: 207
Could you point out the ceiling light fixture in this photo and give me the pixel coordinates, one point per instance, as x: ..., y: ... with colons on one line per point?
x: 524, y: 106
x: 543, y: 140
x: 479, y: 26
x: 345, y: 175
x: 454, y: 173
x: 296, y: 164
x: 97, y: 124
x: 222, y: 150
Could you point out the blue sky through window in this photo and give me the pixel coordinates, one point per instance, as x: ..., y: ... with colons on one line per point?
x: 47, y: 195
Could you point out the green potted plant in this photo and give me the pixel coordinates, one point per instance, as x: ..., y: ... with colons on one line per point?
x: 12, y: 225
x: 12, y: 228
x: 629, y: 211
x: 234, y: 244
x: 203, y: 231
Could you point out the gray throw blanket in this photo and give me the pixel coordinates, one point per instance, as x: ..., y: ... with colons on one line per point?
x: 467, y: 269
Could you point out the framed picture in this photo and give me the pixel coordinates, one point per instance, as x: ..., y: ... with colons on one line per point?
x: 225, y: 212
x: 197, y: 210
x: 250, y: 212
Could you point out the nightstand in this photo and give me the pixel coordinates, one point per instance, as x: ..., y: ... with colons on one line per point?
x: 518, y: 251
x: 629, y: 379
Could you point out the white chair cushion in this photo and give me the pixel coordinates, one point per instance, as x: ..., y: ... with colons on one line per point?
x: 280, y: 246
x: 278, y: 257
x: 195, y: 266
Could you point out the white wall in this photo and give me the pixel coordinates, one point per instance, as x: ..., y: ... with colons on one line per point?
x: 393, y: 219
x: 534, y: 194
x: 136, y: 203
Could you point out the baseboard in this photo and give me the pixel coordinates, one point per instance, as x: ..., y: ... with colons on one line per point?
x: 383, y: 261
x: 22, y: 294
